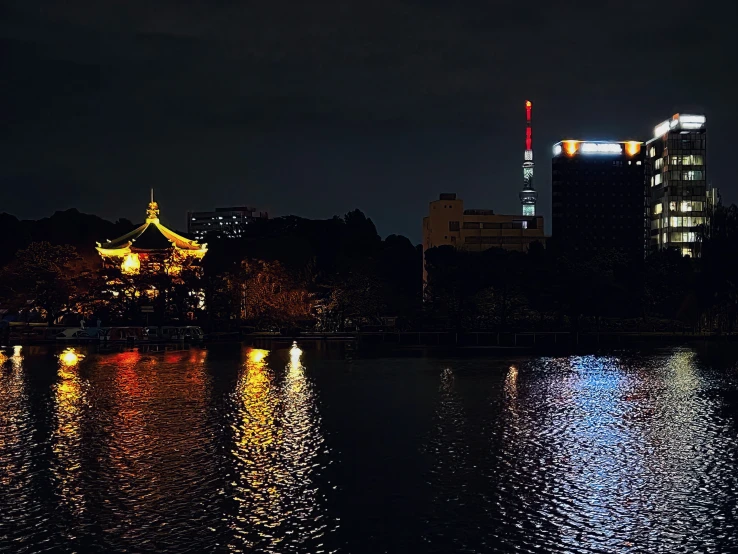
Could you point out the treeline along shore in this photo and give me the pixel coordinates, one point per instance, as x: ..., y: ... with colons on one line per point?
x: 291, y: 274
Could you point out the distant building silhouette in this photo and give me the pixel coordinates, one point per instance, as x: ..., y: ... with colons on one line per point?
x: 223, y: 222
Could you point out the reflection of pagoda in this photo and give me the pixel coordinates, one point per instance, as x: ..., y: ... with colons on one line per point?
x: 152, y: 248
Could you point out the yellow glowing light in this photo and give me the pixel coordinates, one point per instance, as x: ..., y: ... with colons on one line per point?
x: 257, y: 355
x: 131, y: 264
x: 570, y: 146
x: 3, y: 357
x: 17, y: 351
x: 632, y: 147
x: 295, y: 350
x: 70, y: 358
x: 528, y: 104
x: 174, y: 270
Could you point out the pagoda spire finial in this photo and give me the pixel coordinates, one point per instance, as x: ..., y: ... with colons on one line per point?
x: 152, y: 212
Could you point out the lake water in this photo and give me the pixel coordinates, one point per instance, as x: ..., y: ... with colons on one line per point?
x: 231, y: 449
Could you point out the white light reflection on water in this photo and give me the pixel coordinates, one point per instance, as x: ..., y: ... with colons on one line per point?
x: 20, y: 509
x: 188, y: 452
x: 277, y: 442
x: 615, y: 455
x: 451, y: 473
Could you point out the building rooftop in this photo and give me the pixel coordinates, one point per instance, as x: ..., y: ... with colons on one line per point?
x: 151, y: 235
x: 573, y: 147
x: 679, y: 122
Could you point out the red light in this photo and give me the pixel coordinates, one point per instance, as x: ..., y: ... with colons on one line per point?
x: 528, y: 131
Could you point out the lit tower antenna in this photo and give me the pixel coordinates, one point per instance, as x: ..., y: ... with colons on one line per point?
x: 528, y: 195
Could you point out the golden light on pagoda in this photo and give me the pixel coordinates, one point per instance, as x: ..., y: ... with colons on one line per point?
x: 152, y: 247
x: 131, y: 264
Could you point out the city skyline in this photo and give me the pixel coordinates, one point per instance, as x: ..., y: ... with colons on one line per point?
x: 229, y: 105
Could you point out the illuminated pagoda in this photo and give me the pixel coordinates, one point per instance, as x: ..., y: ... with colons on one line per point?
x: 152, y: 248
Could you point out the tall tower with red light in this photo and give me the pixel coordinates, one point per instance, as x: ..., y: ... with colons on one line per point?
x: 528, y: 195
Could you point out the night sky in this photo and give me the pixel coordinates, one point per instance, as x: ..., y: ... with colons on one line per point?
x: 317, y: 108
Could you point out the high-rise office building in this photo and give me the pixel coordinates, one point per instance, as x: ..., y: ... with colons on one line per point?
x: 598, y: 198
x: 676, y: 183
x: 223, y: 222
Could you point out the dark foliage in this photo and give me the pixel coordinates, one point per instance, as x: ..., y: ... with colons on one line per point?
x: 70, y: 227
x: 338, y: 274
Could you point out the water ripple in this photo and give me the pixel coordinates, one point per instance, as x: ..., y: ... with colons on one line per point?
x: 250, y: 451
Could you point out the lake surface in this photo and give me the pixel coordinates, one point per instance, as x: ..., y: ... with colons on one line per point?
x: 231, y: 449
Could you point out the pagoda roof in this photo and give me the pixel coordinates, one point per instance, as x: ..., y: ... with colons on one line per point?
x: 148, y: 237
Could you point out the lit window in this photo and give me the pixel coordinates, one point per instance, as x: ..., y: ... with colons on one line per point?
x: 688, y: 221
x: 658, y: 208
x: 687, y: 252
x: 672, y: 206
x: 692, y: 175
x: 658, y: 179
x: 659, y: 163
x: 638, y: 162
x: 684, y: 237
x: 652, y: 152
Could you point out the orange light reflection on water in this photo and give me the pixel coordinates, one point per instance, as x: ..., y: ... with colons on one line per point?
x: 70, y: 357
x: 276, y: 441
x: 15, y: 421
x: 70, y: 402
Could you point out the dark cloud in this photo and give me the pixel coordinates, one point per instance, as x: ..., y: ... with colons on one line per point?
x: 317, y: 108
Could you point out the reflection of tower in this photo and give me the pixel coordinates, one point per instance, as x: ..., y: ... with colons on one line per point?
x: 528, y: 195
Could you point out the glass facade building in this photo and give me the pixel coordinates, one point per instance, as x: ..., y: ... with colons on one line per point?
x: 676, y: 184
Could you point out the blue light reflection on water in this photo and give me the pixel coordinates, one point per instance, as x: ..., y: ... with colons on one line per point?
x: 596, y: 454
x: 254, y: 451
